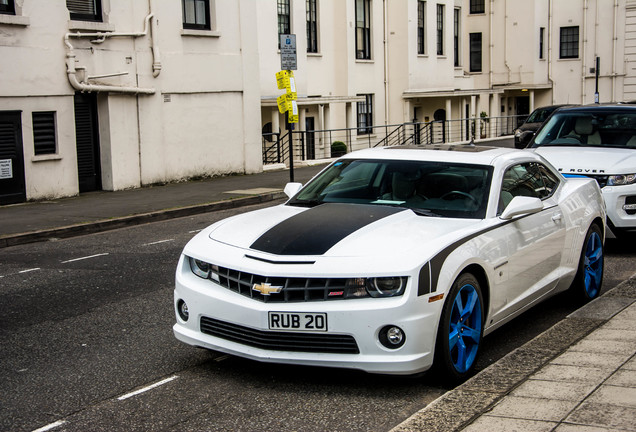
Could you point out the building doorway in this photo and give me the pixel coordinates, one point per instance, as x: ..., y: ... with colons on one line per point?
x: 87, y: 142
x: 12, y: 183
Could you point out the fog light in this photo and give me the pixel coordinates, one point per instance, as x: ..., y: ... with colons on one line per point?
x: 392, y: 337
x: 182, y: 310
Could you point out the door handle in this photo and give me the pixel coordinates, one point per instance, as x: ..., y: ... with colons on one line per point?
x: 556, y: 218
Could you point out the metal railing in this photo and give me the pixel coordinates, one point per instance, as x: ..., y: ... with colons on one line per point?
x: 310, y: 144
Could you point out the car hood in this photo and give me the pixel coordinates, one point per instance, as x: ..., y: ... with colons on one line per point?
x: 338, y: 230
x: 590, y: 160
x: 529, y: 127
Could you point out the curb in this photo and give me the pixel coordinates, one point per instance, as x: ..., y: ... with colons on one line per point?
x: 138, y: 219
x: 461, y: 406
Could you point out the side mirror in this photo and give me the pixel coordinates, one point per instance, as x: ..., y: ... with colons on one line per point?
x: 292, y: 189
x: 522, y: 205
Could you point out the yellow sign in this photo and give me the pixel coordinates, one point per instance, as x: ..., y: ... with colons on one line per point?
x: 283, y: 80
x: 287, y: 102
x: 293, y: 113
x: 283, y: 103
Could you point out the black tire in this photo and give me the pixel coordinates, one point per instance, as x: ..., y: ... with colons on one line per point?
x: 456, y: 360
x: 589, y: 276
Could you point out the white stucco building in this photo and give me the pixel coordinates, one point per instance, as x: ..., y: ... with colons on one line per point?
x: 116, y: 94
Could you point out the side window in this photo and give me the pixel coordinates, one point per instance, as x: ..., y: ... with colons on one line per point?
x: 550, y: 181
x: 521, y: 180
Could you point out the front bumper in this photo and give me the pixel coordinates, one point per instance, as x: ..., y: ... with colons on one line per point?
x: 360, y: 320
x: 619, y: 201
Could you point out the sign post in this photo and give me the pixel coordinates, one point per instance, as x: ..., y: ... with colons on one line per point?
x: 285, y: 80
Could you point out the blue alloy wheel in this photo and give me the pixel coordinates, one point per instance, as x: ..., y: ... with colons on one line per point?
x: 465, y: 328
x: 460, y: 329
x: 593, y: 262
x: 589, y: 276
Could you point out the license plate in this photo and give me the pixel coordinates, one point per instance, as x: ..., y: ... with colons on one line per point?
x: 291, y: 321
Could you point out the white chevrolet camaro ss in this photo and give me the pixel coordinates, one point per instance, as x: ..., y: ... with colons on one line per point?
x: 392, y: 260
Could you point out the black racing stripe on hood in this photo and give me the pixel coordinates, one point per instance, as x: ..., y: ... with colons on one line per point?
x: 315, y: 231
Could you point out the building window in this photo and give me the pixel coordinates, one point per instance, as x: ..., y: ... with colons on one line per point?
x: 7, y: 7
x: 477, y: 6
x: 363, y: 29
x: 541, y: 41
x: 440, y: 29
x: 421, y: 27
x: 569, y: 45
x: 196, y: 14
x: 365, y: 115
x: 456, y: 35
x: 44, y: 140
x: 284, y: 19
x: 85, y: 10
x: 312, y: 26
x: 475, y: 52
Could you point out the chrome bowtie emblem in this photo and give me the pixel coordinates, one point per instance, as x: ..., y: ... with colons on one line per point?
x: 267, y: 289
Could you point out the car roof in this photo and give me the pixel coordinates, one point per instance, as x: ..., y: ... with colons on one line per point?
x: 598, y: 108
x: 459, y: 153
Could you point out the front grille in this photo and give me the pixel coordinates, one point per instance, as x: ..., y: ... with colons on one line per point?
x: 600, y: 179
x: 294, y: 289
x: 280, y: 341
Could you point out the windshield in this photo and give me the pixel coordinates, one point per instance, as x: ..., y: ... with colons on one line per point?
x: 596, y: 129
x: 428, y: 188
x: 539, y: 115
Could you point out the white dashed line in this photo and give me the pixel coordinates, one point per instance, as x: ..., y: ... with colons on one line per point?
x: 157, y: 242
x: 29, y: 270
x: 48, y: 427
x: 84, y: 258
x: 145, y: 389
x: 194, y: 231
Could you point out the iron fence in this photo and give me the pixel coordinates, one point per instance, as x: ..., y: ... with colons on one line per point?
x: 317, y: 143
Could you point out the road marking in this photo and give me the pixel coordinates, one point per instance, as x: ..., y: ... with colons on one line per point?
x: 157, y: 242
x: 145, y: 389
x: 84, y: 258
x: 29, y: 270
x: 221, y: 358
x: 193, y: 231
x: 50, y: 426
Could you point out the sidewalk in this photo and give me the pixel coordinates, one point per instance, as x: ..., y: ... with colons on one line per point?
x: 100, y: 211
x: 579, y: 375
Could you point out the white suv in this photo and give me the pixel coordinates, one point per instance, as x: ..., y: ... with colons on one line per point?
x: 597, y: 141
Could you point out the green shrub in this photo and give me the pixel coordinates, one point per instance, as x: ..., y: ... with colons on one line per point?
x: 338, y: 148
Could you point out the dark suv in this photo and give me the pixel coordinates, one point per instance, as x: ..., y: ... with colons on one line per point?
x: 525, y: 132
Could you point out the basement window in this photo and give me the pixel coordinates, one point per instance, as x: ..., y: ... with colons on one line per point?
x: 44, y: 134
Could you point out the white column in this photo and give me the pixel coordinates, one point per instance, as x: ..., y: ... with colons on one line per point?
x: 275, y: 121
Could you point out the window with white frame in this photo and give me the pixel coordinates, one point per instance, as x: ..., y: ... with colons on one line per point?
x: 196, y: 14
x: 85, y: 10
x: 475, y: 52
x: 312, y: 26
x: 365, y: 115
x: 456, y: 36
x: 421, y: 27
x: 7, y: 7
x: 284, y: 18
x: 569, y: 42
x: 363, y: 29
x: 477, y: 6
x: 440, y: 29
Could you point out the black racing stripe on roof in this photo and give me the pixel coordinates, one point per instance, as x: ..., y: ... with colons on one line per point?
x: 315, y: 231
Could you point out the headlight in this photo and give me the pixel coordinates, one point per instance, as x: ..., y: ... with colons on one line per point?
x: 621, y: 179
x: 204, y: 269
x: 386, y: 286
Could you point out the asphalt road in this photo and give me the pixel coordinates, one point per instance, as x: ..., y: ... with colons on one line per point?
x: 86, y: 322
